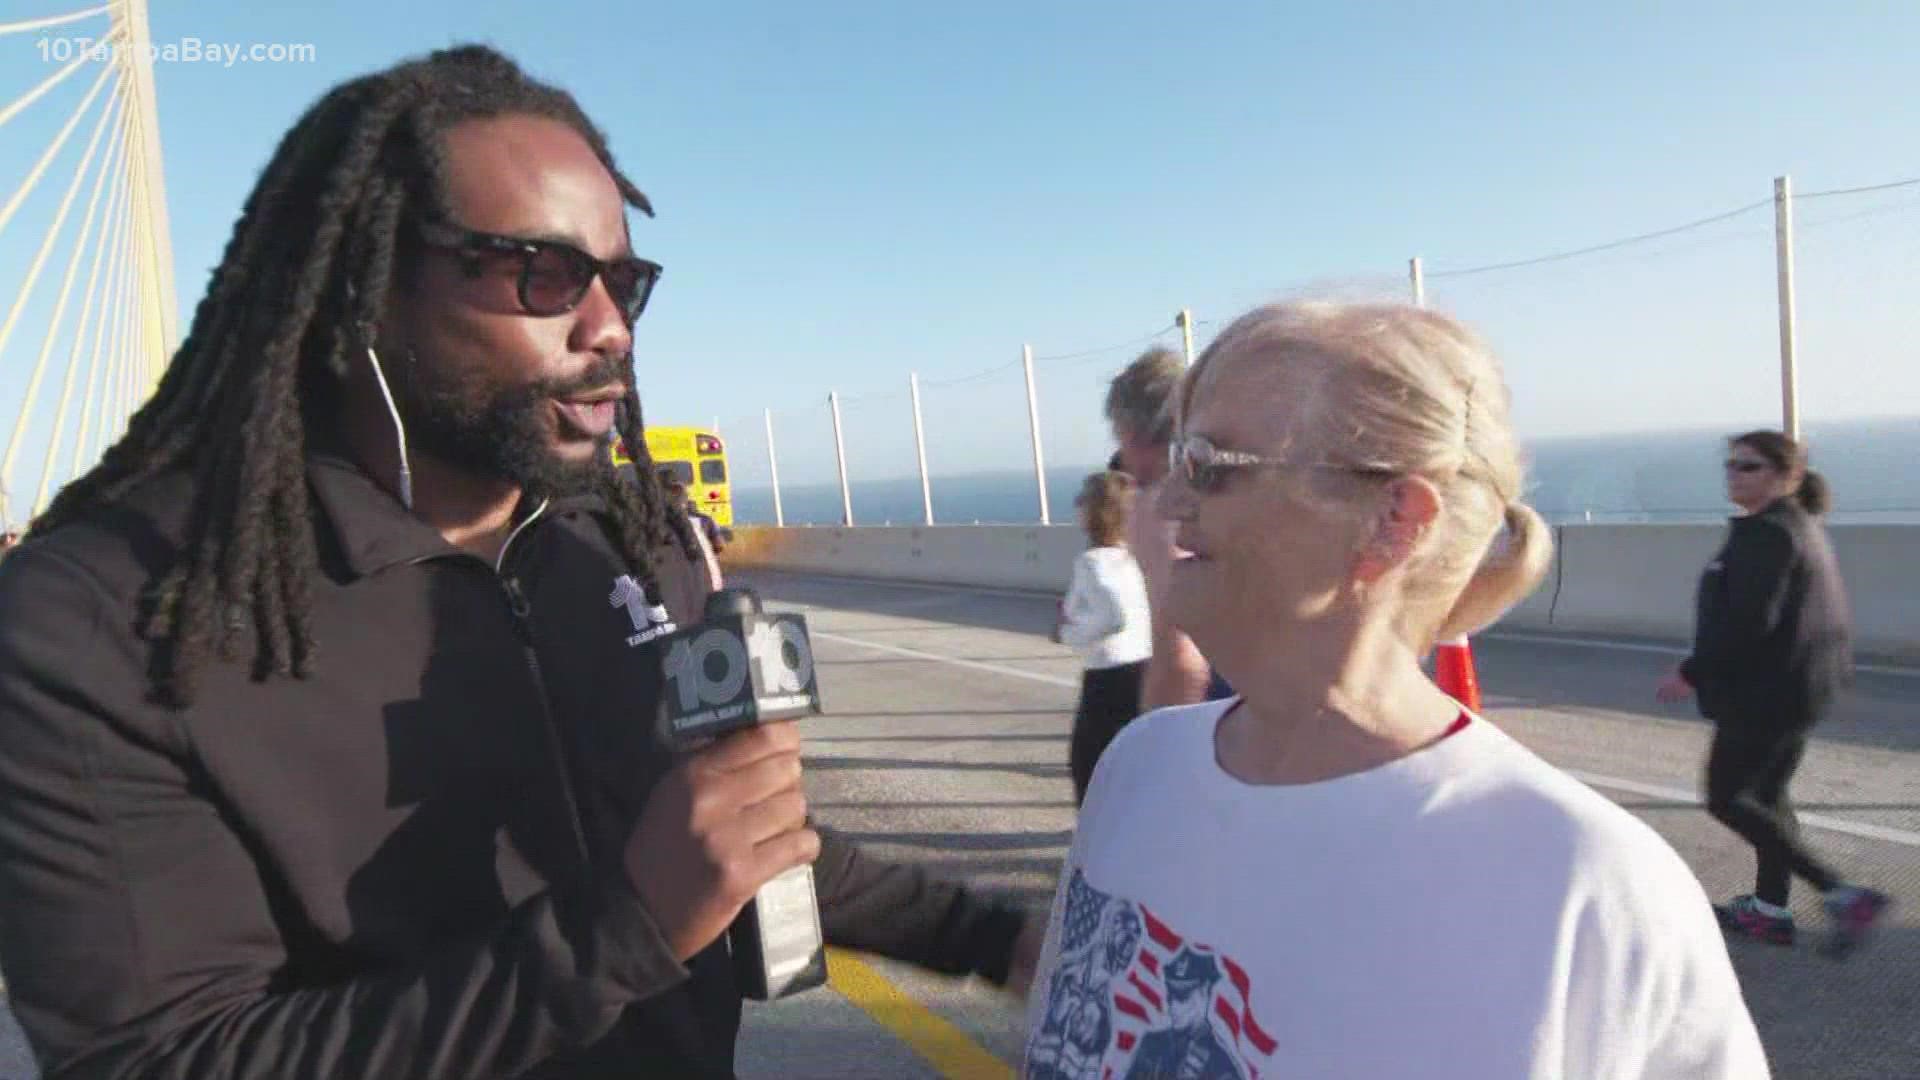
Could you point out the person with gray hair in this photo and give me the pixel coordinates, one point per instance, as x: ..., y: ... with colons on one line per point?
x: 1139, y: 410
x: 1341, y: 870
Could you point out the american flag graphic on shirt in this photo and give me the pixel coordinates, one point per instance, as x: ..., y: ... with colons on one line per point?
x: 1130, y: 997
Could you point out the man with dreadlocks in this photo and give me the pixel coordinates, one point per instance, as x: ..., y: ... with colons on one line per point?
x: 325, y: 698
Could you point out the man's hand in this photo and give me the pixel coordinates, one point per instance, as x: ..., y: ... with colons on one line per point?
x: 726, y: 821
x: 1673, y: 688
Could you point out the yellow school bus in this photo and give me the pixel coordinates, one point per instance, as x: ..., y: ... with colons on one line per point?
x: 699, y: 459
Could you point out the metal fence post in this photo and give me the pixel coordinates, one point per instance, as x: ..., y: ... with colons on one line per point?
x: 840, y: 452
x: 1783, y: 253
x: 1033, y: 422
x: 773, y: 466
x: 920, y: 448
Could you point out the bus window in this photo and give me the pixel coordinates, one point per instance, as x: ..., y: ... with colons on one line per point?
x: 713, y: 471
x: 681, y: 470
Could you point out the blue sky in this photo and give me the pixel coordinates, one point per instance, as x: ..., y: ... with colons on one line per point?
x: 851, y: 191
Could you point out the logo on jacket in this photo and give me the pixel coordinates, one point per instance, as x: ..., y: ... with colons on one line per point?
x: 1131, y: 997
x: 649, y: 620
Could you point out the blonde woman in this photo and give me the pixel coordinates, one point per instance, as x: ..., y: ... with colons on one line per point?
x: 1341, y: 871
x: 1105, y: 618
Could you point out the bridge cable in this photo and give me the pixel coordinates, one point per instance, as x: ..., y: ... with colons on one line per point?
x: 100, y: 370
x: 25, y: 25
x: 105, y: 435
x: 26, y: 292
x: 53, y: 150
x: 46, y: 85
x: 152, y: 292
x: 124, y: 359
x: 113, y: 415
x: 92, y: 291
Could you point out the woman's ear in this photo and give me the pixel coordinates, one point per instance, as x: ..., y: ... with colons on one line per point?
x: 1407, y: 510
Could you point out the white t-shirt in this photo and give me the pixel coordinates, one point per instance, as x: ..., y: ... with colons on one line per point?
x: 1107, y: 621
x: 1466, y: 912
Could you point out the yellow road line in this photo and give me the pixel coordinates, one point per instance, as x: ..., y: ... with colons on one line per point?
x: 946, y: 1047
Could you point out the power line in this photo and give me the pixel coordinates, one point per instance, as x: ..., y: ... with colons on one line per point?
x: 1890, y: 208
x: 872, y: 397
x: 1608, y: 246
x: 1860, y: 190
x: 1141, y: 340
x: 931, y: 384
x: 1657, y: 234
x: 1465, y: 272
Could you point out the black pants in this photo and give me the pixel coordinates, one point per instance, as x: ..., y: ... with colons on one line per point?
x: 1747, y: 776
x: 1109, y: 699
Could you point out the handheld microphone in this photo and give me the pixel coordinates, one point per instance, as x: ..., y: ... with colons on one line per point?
x: 738, y: 668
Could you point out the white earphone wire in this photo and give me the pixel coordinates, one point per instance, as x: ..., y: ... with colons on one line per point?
x: 399, y: 427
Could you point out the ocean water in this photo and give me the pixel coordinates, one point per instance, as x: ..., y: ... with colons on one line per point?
x: 1872, y: 465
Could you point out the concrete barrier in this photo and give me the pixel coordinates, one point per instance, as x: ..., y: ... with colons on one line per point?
x: 1634, y: 580
x: 1033, y: 557
x: 1881, y: 564
x: 1637, y: 580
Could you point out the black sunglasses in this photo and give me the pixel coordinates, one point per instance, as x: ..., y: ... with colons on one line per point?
x: 554, y: 276
x: 1206, y: 468
x: 1739, y: 466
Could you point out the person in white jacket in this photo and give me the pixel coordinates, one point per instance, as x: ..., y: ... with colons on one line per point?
x: 1339, y: 871
x: 1105, y: 618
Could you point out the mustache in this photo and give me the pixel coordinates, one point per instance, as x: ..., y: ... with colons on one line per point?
x: 594, y: 376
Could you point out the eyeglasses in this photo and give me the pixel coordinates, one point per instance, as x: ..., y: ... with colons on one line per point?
x: 1737, y: 465
x: 554, y: 276
x: 1206, y: 468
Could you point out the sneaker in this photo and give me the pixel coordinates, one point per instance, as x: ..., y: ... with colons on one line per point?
x: 1742, y: 915
x: 1855, y: 911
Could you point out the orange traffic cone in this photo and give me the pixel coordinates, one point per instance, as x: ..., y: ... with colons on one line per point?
x: 1453, y: 671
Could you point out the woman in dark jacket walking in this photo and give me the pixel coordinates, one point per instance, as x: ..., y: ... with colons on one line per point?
x: 1771, y: 652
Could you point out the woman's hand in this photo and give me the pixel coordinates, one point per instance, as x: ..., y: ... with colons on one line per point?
x: 1026, y: 955
x: 1673, y: 688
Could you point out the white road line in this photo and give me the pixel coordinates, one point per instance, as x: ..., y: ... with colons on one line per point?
x: 1016, y: 673
x: 1664, y: 650
x: 1818, y: 821
x: 1634, y: 787
x: 1587, y: 642
x: 923, y: 586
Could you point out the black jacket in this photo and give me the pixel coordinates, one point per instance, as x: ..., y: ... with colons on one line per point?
x: 406, y: 865
x: 1772, y: 632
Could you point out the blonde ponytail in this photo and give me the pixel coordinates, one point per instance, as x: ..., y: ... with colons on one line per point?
x: 1514, y: 566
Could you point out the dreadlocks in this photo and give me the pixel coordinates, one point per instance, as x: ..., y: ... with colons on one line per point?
x: 296, y: 296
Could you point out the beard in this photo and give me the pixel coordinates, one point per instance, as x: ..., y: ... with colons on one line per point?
x: 503, y: 431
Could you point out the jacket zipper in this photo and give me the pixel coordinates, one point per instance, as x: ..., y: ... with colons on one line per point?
x: 521, y: 609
